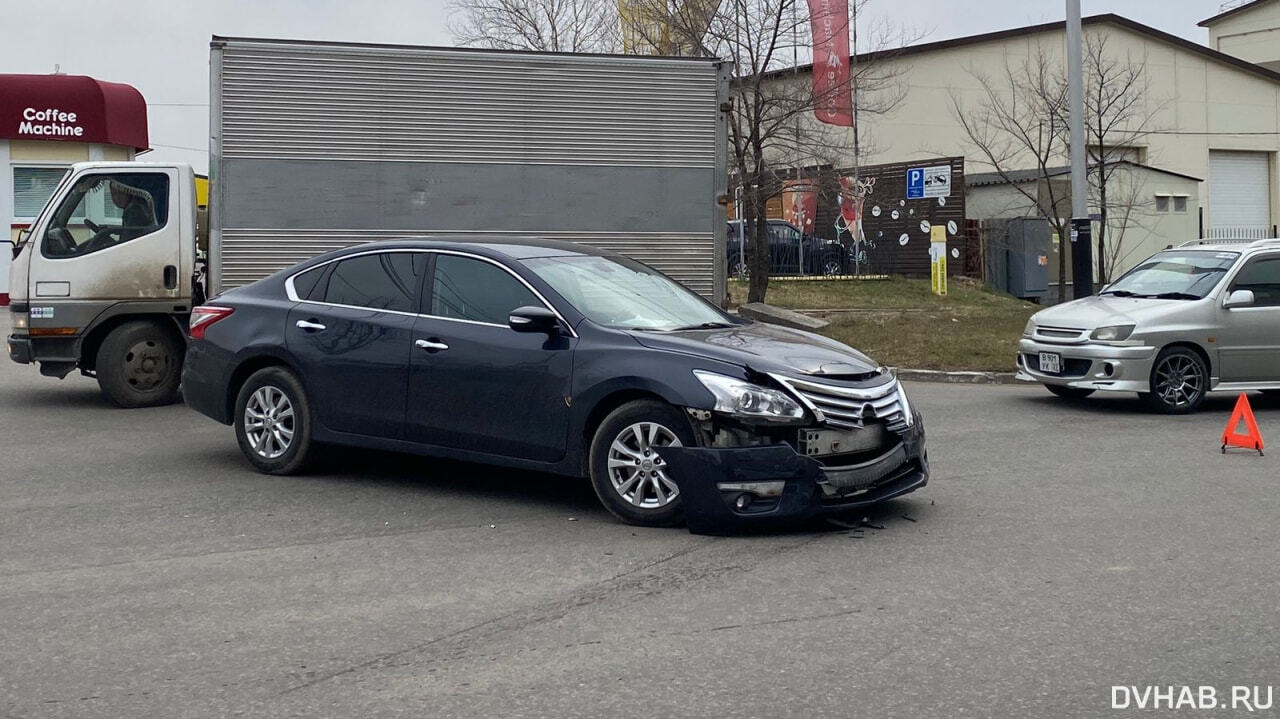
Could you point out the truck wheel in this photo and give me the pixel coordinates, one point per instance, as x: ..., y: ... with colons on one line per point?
x: 139, y: 364
x: 273, y: 422
x: 629, y: 477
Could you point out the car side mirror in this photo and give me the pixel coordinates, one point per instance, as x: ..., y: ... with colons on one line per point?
x: 1239, y: 298
x: 534, y: 319
x: 16, y: 244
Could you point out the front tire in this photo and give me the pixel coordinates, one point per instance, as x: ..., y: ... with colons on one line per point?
x: 630, y: 479
x: 1068, y: 392
x: 139, y: 364
x: 273, y: 422
x: 1179, y: 381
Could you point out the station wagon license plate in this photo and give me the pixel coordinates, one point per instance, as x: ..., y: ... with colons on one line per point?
x: 1051, y: 362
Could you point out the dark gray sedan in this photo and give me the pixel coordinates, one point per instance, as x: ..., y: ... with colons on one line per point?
x: 559, y: 358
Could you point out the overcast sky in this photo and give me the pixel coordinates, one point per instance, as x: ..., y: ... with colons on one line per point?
x: 161, y: 47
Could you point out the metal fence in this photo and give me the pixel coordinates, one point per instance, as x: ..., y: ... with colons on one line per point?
x: 1243, y: 232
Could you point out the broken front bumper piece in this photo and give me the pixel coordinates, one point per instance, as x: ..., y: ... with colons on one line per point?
x: 728, y: 489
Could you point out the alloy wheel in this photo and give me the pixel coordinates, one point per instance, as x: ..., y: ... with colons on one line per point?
x: 636, y: 471
x: 1179, y: 380
x: 268, y: 422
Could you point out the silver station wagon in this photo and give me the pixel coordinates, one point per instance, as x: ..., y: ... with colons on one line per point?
x: 1203, y: 317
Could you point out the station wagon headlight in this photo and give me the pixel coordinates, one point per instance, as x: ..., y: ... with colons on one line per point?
x: 751, y: 401
x: 1030, y: 329
x: 1113, y: 333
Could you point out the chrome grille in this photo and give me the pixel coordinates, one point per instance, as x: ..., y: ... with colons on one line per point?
x: 849, y: 407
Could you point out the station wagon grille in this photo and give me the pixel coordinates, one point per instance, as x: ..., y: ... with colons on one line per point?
x: 848, y: 407
x: 1060, y: 333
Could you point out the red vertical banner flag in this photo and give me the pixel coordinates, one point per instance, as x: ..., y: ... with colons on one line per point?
x: 832, y: 92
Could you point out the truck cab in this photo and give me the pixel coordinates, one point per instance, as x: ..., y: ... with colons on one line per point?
x: 105, y: 278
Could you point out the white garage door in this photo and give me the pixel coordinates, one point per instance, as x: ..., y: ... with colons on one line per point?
x: 1239, y: 194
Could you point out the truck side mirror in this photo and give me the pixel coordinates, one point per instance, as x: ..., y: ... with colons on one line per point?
x: 1239, y: 298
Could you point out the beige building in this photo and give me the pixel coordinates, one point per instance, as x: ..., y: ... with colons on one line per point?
x: 1209, y: 167
x: 1249, y: 31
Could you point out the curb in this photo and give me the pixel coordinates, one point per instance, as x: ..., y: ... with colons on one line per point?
x: 931, y: 375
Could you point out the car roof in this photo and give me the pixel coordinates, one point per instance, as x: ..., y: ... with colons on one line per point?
x: 516, y: 248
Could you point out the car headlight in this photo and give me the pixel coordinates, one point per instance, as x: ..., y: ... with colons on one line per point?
x: 1030, y: 329
x: 744, y: 399
x: 1113, y: 333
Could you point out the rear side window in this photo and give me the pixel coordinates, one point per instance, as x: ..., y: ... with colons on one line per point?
x: 305, y: 284
x: 383, y: 281
x: 1262, y: 277
x: 469, y: 289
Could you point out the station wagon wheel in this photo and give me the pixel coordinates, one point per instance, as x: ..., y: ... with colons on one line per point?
x: 1179, y: 381
x: 273, y: 421
x: 629, y: 477
x: 831, y: 267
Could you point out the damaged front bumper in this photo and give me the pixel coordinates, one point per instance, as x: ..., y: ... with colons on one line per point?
x: 727, y: 489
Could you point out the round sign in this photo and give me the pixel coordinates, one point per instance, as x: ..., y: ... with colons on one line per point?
x: 925, y: 226
x: 942, y: 202
x: 955, y: 253
x: 952, y: 227
x: 911, y: 212
x: 875, y: 211
x: 902, y: 203
x: 894, y: 214
x: 903, y: 239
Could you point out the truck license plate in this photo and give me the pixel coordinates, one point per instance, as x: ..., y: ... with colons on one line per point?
x: 1051, y: 362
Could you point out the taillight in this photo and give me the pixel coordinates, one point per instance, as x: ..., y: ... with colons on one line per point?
x: 204, y: 316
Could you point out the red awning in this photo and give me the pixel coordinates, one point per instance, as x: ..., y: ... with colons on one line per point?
x: 72, y: 108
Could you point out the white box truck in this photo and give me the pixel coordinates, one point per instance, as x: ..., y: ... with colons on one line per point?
x: 315, y: 146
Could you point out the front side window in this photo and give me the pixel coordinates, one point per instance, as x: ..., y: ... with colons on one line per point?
x: 465, y: 288
x: 102, y: 211
x: 1262, y: 277
x: 382, y: 281
x: 1188, y: 275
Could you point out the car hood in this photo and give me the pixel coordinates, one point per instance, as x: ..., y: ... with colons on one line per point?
x: 1092, y: 312
x: 765, y: 348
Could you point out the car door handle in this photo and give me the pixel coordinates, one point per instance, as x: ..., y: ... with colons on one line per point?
x: 430, y: 346
x: 310, y: 326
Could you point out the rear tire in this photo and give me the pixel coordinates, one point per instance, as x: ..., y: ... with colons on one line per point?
x: 139, y: 364
x: 1068, y: 392
x: 628, y: 477
x: 273, y: 422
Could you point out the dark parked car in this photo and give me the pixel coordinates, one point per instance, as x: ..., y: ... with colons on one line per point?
x: 554, y: 357
x: 786, y: 247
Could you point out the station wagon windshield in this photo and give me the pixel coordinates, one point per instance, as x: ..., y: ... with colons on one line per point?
x: 1188, y: 275
x: 624, y: 294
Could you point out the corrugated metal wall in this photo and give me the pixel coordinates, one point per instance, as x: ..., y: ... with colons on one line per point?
x: 365, y: 142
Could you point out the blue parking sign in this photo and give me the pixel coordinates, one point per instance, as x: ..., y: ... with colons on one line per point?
x: 915, y: 183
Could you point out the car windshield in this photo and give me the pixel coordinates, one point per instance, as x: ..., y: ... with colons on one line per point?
x: 624, y: 294
x: 1187, y: 275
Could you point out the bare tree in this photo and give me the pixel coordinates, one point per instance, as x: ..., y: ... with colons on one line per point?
x: 1119, y: 115
x: 544, y: 25
x: 771, y: 126
x: 1019, y: 124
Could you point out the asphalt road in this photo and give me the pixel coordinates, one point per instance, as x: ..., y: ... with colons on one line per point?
x: 1059, y: 550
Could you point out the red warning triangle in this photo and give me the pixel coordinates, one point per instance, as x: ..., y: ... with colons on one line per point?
x: 1231, y: 438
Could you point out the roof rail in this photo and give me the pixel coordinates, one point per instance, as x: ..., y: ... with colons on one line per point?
x: 1232, y: 241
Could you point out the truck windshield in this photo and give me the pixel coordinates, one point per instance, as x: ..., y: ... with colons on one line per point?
x: 1188, y: 275
x: 624, y: 294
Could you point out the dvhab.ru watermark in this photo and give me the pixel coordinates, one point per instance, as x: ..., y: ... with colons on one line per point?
x: 1239, y: 698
